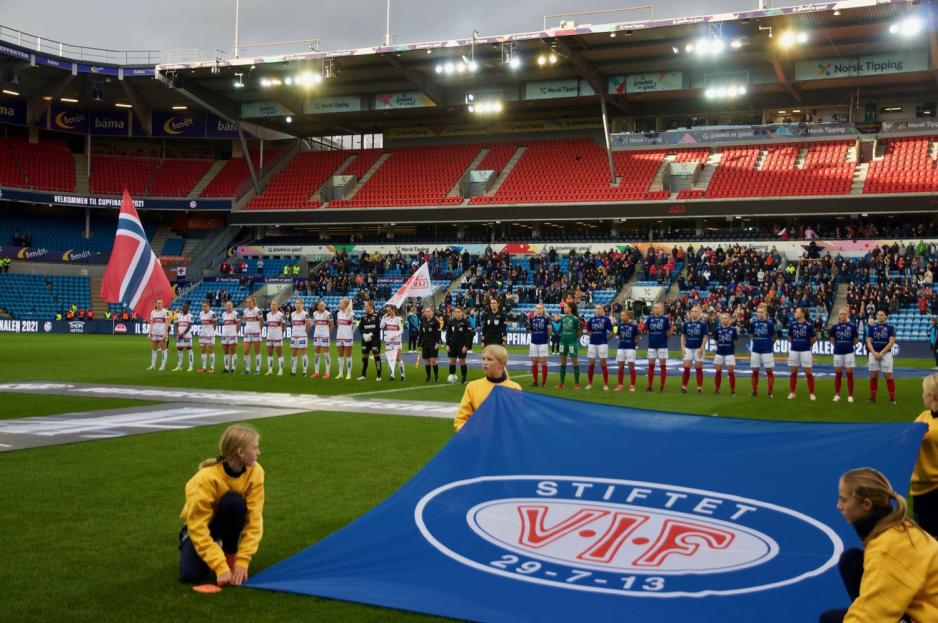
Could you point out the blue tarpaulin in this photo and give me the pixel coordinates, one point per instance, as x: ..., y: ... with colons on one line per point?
x: 544, y: 509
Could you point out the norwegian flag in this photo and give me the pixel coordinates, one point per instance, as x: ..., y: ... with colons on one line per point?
x: 133, y: 275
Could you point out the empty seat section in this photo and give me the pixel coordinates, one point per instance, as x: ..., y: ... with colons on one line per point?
x: 498, y: 157
x: 294, y: 187
x: 176, y: 178
x: 233, y: 174
x: 10, y: 172
x: 416, y: 176
x: 48, y: 165
x: 110, y: 175
x: 908, y: 166
x: 39, y: 297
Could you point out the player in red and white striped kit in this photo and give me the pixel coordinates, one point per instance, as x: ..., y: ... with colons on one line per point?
x: 299, y: 334
x: 322, y: 329
x: 207, y: 322
x: 183, y: 336
x: 274, y: 338
x: 392, y: 326
x: 159, y: 329
x: 253, y: 319
x: 344, y: 337
x: 229, y: 336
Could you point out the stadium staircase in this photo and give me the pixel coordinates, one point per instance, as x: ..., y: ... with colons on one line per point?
x: 506, y: 171
x: 206, y: 179
x: 473, y: 166
x: 159, y: 238
x: 368, y: 174
x: 657, y: 183
x: 626, y: 292
x: 81, y: 176
x: 97, y: 305
x: 840, y: 300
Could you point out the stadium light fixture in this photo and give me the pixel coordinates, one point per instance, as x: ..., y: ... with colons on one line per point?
x: 514, y: 62
x: 9, y: 92
x: 123, y: 105
x: 909, y: 27
x: 239, y: 83
x: 289, y: 119
x: 180, y: 108
x: 736, y: 44
x: 790, y: 38
x: 725, y: 92
x: 69, y: 100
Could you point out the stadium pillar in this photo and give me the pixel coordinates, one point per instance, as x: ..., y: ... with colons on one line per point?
x: 612, y: 167
x: 87, y: 223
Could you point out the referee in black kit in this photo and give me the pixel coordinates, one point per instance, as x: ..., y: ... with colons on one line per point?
x: 494, y: 325
x: 429, y: 338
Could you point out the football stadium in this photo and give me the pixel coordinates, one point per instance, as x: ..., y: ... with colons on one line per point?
x: 618, y: 318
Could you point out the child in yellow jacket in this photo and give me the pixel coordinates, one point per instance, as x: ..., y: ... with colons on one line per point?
x: 494, y: 364
x: 223, y: 512
x: 924, y: 487
x: 896, y: 575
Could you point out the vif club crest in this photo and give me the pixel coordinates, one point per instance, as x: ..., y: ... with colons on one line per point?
x: 624, y: 537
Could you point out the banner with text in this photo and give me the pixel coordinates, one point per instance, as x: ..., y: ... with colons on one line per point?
x: 644, y: 83
x: 178, y: 124
x: 336, y: 103
x: 12, y: 111
x: 402, y: 99
x: 878, y: 65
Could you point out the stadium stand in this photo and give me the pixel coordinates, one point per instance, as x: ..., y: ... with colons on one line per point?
x: 217, y: 293
x: 48, y: 165
x: 64, y: 231
x: 173, y: 246
x: 176, y: 177
x: 233, y: 174
x: 415, y: 176
x: 40, y: 297
x: 296, y: 184
x: 908, y: 165
x: 110, y: 175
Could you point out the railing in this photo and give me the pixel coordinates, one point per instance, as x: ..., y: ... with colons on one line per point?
x: 269, y: 165
x: 78, y: 52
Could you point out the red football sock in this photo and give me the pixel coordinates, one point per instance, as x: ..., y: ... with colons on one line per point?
x: 891, y: 386
x: 605, y: 373
x: 793, y: 382
x: 810, y: 378
x: 534, y: 371
x: 849, y: 381
x: 837, y: 375
x: 718, y: 379
x: 651, y: 372
x: 873, y: 383
x: 686, y: 376
x: 632, y: 375
x: 544, y: 373
x: 755, y: 380
x: 664, y: 373
x: 621, y: 372
x: 770, y: 380
x: 732, y: 376
x: 699, y: 377
x: 589, y: 373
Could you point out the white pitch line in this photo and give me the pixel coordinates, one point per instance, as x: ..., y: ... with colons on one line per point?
x: 404, y: 389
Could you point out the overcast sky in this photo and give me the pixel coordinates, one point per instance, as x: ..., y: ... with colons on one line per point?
x: 339, y: 24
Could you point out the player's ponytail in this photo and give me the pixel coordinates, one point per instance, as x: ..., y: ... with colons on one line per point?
x: 235, y: 437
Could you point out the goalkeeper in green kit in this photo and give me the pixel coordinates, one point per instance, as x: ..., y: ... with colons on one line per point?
x: 570, y: 329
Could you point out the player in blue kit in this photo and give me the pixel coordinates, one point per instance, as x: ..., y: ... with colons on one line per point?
x: 628, y: 333
x: 801, y: 338
x: 844, y: 338
x: 539, y: 325
x: 600, y: 328
x: 726, y: 354
x: 763, y: 343
x: 879, y: 342
x: 659, y: 329
x: 693, y: 339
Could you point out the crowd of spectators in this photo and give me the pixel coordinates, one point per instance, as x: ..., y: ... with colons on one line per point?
x: 19, y: 239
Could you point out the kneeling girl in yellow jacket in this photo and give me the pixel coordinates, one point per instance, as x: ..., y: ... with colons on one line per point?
x: 494, y: 364
x: 896, y: 575
x: 223, y: 512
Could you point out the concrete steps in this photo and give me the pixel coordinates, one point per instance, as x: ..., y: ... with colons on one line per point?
x: 454, y: 191
x: 657, y: 183
x: 760, y: 161
x: 506, y: 171
x: 97, y: 305
x: 840, y: 300
x: 317, y: 196
x: 206, y: 179
x: 367, y: 176
x: 162, y: 233
x: 81, y: 176
x: 859, y: 178
x: 707, y: 171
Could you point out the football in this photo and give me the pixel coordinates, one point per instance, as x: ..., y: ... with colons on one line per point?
x: 451, y: 379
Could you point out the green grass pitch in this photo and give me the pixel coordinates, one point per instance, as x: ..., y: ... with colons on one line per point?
x: 91, y: 527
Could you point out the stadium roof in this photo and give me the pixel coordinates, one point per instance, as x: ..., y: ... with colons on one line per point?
x: 588, y: 55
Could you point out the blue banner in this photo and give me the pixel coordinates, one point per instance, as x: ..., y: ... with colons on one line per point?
x: 178, y: 124
x: 49, y: 61
x: 15, y: 52
x: 134, y: 72
x: 218, y: 127
x: 110, y: 122
x: 12, y: 111
x: 69, y: 120
x: 544, y: 509
x: 136, y: 129
x: 103, y: 70
x: 98, y: 201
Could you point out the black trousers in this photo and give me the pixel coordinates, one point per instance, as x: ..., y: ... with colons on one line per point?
x: 935, y: 352
x: 850, y: 566
x: 226, y: 525
x: 926, y: 511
